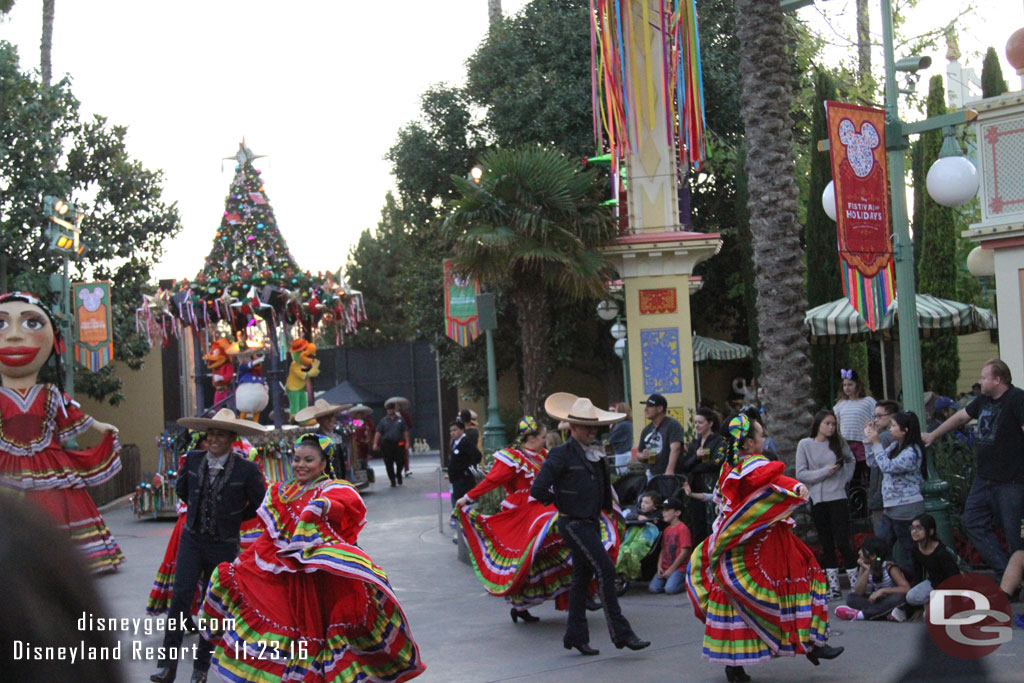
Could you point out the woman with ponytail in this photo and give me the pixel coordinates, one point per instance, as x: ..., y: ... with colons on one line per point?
x: 752, y: 551
x: 518, y: 553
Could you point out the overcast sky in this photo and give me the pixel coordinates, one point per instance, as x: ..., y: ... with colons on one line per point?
x: 320, y: 87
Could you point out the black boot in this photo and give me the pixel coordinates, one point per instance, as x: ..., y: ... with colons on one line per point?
x: 523, y: 614
x: 584, y: 648
x: 824, y: 652
x: 165, y: 674
x: 199, y: 676
x: 736, y: 673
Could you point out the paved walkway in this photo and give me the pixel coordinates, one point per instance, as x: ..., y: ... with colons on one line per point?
x: 467, y: 636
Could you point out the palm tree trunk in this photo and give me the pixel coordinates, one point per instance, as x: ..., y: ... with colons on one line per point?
x: 46, y: 44
x: 534, y: 327
x: 867, y: 80
x: 778, y: 257
x: 493, y: 13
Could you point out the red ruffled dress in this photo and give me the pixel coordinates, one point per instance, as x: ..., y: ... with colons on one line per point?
x: 306, y: 603
x: 758, y: 589
x: 518, y: 553
x: 32, y: 426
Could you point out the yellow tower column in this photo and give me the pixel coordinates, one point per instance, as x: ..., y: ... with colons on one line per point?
x: 656, y: 257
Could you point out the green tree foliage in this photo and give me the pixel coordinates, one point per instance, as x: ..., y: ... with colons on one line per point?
x: 45, y: 148
x: 531, y: 227
x: 532, y: 77
x: 992, y: 83
x: 940, y: 359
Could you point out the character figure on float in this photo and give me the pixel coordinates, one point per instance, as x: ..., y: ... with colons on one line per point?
x: 35, y: 420
x: 251, y: 394
x: 222, y: 371
x: 305, y: 365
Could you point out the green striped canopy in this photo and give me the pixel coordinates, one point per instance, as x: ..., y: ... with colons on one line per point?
x: 705, y: 348
x: 838, y: 322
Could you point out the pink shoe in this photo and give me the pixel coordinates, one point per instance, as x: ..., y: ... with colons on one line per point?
x: 849, y: 613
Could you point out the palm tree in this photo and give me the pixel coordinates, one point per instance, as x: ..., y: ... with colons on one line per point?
x: 778, y: 257
x: 46, y: 43
x: 493, y: 13
x: 530, y: 227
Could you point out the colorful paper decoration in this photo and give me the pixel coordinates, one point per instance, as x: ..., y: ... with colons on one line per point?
x: 659, y: 355
x: 624, y: 96
x: 861, y: 180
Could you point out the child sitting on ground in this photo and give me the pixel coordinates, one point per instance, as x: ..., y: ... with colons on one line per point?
x: 676, y: 547
x: 640, y: 538
x: 880, y: 587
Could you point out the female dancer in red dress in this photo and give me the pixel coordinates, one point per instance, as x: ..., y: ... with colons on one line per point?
x: 754, y: 584
x: 518, y: 553
x: 304, y: 603
x: 34, y: 421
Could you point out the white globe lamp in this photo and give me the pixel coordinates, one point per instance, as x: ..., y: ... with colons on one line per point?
x: 953, y: 181
x: 620, y: 347
x: 828, y: 200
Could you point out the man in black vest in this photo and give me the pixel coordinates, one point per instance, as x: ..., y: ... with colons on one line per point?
x: 222, y: 490
x: 575, y: 477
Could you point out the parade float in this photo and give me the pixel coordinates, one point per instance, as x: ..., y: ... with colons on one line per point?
x: 241, y: 316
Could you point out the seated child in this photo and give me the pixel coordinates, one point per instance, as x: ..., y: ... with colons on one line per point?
x: 640, y: 538
x: 676, y: 547
x: 934, y: 562
x: 880, y: 587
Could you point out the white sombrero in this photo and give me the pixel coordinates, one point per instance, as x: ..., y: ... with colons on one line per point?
x: 223, y: 419
x: 577, y: 410
x: 319, y: 409
x: 401, y: 403
x: 360, y: 409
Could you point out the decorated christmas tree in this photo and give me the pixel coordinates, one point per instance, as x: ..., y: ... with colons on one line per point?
x: 250, y: 269
x: 248, y: 248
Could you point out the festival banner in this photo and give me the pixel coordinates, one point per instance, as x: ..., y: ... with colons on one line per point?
x: 462, y: 322
x: 94, y: 328
x: 856, y: 137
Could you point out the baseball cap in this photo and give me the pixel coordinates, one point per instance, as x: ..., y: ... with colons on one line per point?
x: 673, y: 503
x: 656, y: 400
x: 943, y: 402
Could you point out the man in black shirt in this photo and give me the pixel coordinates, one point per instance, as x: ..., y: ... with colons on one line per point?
x: 663, y: 437
x: 575, y: 478
x: 998, y: 489
x: 222, y: 490
x: 391, y: 440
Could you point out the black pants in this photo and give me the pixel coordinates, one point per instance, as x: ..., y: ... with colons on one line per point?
x: 698, y: 520
x: 340, y: 463
x: 874, y: 610
x: 198, y: 556
x: 461, y: 486
x: 394, y: 457
x: 832, y: 522
x: 590, y: 560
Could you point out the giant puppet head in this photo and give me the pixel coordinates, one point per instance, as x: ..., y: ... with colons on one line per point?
x: 28, y: 337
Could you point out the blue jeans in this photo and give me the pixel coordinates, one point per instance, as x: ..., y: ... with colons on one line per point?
x: 675, y: 583
x: 1001, y: 502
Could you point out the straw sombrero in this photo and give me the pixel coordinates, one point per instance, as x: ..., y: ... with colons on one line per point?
x: 577, y: 410
x: 223, y: 419
x: 401, y: 403
x: 319, y: 409
x: 360, y: 409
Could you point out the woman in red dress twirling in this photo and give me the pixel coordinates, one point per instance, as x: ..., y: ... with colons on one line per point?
x: 304, y: 603
x: 35, y: 420
x: 518, y: 553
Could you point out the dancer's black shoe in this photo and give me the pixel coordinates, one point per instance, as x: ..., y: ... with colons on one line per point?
x: 824, y: 652
x: 632, y: 642
x: 523, y: 614
x: 736, y: 674
x: 584, y: 648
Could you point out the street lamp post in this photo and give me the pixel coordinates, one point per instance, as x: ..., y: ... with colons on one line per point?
x: 608, y: 310
x: 494, y: 430
x: 65, y: 238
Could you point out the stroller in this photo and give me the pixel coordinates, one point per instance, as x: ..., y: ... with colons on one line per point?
x: 663, y: 486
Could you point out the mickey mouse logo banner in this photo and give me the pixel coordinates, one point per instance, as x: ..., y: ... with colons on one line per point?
x: 856, y: 137
x: 94, y: 332
x: 462, y: 320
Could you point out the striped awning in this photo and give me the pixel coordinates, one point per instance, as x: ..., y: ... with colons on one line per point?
x: 705, y: 348
x: 837, y: 322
